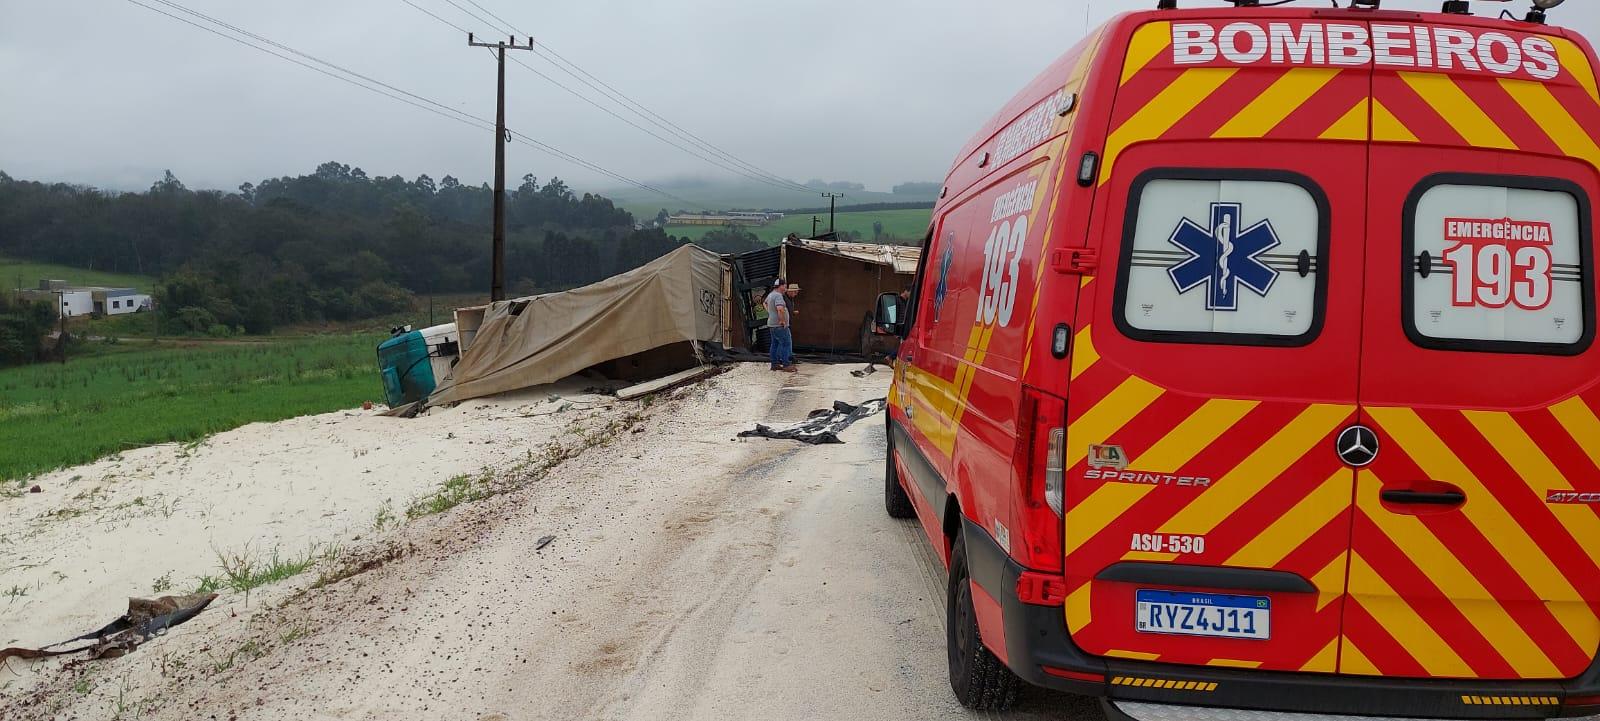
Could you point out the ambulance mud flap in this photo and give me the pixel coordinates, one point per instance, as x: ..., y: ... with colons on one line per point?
x: 1036, y: 636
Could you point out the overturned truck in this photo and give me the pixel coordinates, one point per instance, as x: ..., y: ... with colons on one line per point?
x: 665, y: 316
x: 649, y: 321
x: 840, y: 283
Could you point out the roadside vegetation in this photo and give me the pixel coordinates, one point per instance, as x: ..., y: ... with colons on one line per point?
x: 132, y: 395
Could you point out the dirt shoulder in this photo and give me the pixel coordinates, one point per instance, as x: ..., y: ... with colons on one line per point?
x: 691, y: 575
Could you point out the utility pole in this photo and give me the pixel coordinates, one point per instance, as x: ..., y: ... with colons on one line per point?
x: 814, y: 221
x: 61, y: 300
x: 831, y: 197
x: 497, y: 284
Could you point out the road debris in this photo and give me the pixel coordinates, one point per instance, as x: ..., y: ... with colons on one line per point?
x: 822, y: 426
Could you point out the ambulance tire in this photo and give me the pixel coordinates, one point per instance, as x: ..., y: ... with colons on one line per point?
x: 980, y: 681
x: 895, y: 500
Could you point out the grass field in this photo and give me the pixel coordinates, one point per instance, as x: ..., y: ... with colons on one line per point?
x: 905, y: 224
x: 30, y: 273
x: 132, y: 395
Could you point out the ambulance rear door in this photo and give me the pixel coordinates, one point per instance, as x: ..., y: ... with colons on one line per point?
x: 1476, y: 543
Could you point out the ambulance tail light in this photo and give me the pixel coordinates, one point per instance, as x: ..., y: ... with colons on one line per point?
x: 1040, y: 461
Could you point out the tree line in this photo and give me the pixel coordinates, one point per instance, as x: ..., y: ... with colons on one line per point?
x: 336, y: 244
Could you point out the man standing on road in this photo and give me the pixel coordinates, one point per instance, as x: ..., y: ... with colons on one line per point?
x: 780, y: 341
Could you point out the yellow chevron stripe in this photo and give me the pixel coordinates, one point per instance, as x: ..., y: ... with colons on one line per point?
x: 1489, y: 517
x: 1445, y: 570
x: 1388, y: 128
x: 1148, y: 42
x: 1097, y: 424
x: 1083, y: 352
x: 1326, y: 660
x: 1087, y: 518
x: 1078, y: 609
x: 1580, y: 422
x: 1275, y: 103
x: 1040, y: 261
x: 1353, y: 661
x: 1353, y: 125
x: 1161, y: 113
x: 1233, y: 663
x: 1576, y: 61
x: 1310, y: 515
x: 1229, y: 493
x: 1403, y: 623
x: 1107, y: 503
x: 1447, y: 99
x: 1554, y: 119
x: 1136, y: 655
x: 1330, y: 581
x: 1540, y: 475
x: 1203, y: 427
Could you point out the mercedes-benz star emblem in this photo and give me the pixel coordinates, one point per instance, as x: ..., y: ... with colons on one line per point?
x: 1357, y: 446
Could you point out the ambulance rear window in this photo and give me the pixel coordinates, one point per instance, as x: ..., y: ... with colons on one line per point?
x: 1498, y: 264
x: 1228, y: 257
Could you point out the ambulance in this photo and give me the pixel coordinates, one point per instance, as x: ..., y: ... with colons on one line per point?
x: 1250, y: 370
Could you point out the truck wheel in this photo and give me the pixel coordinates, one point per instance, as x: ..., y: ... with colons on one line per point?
x: 895, y: 500
x: 979, y: 680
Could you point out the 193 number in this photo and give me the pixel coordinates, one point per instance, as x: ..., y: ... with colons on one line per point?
x: 1493, y: 275
x: 1002, y: 258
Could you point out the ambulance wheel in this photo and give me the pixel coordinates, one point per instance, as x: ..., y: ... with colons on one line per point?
x: 895, y: 500
x: 979, y: 680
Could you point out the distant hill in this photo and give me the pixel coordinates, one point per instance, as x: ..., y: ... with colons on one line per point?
x: 742, y: 194
x: 899, y: 226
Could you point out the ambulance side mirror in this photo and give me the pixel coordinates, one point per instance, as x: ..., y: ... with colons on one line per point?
x: 891, y: 313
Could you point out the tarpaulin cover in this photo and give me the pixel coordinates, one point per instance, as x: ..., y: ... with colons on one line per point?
x: 822, y: 426
x: 531, y: 341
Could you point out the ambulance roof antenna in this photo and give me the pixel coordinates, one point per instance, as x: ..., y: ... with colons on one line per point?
x: 1166, y: 4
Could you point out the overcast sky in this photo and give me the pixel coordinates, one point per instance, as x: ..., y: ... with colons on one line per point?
x: 108, y: 93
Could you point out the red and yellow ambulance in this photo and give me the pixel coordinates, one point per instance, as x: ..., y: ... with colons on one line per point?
x: 1251, y: 365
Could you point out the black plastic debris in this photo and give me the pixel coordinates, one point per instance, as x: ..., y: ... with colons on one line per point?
x: 146, y: 618
x: 822, y: 426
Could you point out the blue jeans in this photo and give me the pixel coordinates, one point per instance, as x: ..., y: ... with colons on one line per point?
x: 780, y: 346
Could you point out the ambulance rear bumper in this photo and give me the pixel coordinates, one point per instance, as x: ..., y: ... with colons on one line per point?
x: 1040, y: 651
x: 1138, y: 711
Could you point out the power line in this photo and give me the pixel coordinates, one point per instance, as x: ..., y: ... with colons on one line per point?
x: 429, y: 13
x: 392, y: 92
x: 657, y: 136
x: 611, y: 93
x: 780, y: 184
x: 657, y: 119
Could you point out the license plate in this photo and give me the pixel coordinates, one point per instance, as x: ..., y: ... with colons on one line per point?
x: 1204, y: 614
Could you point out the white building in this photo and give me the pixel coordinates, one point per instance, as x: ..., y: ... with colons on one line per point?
x: 76, y: 302
x: 119, y: 301
x: 67, y: 301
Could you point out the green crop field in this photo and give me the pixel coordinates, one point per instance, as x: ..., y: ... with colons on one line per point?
x: 27, y: 274
x: 903, y: 224
x: 55, y: 415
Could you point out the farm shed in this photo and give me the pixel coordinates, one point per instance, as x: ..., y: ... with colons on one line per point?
x: 839, y: 287
x: 644, y: 322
